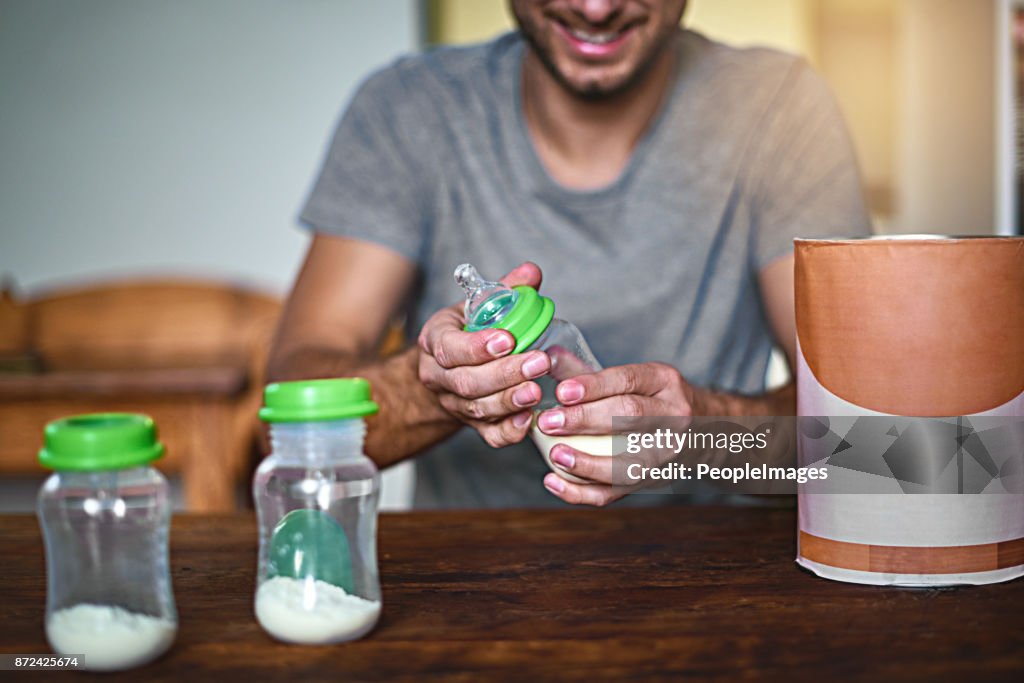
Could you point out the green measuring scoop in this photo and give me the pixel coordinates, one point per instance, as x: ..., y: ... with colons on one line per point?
x: 311, y: 543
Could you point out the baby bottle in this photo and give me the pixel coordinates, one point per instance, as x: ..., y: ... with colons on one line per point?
x: 530, y: 318
x: 105, y: 516
x: 316, y: 499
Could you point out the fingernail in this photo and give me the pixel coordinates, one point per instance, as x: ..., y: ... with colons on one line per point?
x: 523, y: 397
x: 499, y: 344
x: 521, y: 420
x: 563, y: 458
x: 569, y: 391
x: 554, y: 484
x: 535, y: 366
x: 551, y: 419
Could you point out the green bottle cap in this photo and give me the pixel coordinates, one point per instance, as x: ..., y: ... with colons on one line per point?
x: 100, y: 441
x: 317, y: 400
x: 529, y: 317
x: 492, y: 305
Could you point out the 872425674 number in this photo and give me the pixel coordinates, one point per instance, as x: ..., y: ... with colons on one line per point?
x: 21, y: 662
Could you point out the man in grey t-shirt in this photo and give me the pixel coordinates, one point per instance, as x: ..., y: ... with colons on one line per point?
x: 658, y: 178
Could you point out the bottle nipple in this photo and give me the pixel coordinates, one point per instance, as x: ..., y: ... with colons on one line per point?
x: 486, y: 302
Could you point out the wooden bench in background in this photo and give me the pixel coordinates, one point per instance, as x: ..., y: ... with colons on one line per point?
x: 189, y: 354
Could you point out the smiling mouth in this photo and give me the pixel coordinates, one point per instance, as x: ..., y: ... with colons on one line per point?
x: 595, y: 37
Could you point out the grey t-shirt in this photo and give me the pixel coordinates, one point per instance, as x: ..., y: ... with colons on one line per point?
x: 433, y: 160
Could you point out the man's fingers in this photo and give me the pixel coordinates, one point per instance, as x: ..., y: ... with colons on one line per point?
x: 474, y: 382
x: 595, y: 468
x: 444, y: 339
x: 646, y: 379
x: 596, y: 418
x: 527, y: 273
x: 454, y: 348
x: 496, y: 406
x: 511, y: 430
x: 445, y: 319
x: 583, y: 494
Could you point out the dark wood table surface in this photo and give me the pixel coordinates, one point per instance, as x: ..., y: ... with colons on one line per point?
x: 692, y: 593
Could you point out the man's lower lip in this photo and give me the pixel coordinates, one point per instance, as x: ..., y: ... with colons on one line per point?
x: 593, y: 50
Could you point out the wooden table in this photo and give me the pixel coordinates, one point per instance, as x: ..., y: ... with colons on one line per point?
x: 582, y: 595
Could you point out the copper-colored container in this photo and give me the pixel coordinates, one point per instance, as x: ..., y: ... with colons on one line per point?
x: 911, y: 326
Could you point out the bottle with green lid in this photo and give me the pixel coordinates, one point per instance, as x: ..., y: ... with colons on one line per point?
x: 316, y: 499
x: 105, y: 515
x: 530, y: 318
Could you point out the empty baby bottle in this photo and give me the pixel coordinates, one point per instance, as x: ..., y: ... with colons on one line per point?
x: 316, y: 499
x: 105, y: 515
x: 530, y: 318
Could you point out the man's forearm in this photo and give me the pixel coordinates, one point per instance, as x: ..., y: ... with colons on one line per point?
x: 710, y: 403
x: 410, y: 418
x: 778, y: 403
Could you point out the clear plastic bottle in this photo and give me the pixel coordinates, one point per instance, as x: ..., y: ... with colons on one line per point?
x: 530, y: 318
x: 105, y: 516
x: 316, y: 499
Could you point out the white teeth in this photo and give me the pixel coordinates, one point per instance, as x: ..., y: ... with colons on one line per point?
x: 596, y: 38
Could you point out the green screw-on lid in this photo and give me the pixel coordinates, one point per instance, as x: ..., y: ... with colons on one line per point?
x: 529, y: 317
x: 100, y: 441
x: 317, y: 400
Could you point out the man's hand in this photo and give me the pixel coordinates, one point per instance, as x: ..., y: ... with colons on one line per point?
x: 473, y: 375
x: 589, y: 402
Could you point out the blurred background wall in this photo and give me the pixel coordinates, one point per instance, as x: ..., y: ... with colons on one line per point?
x: 181, y: 136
